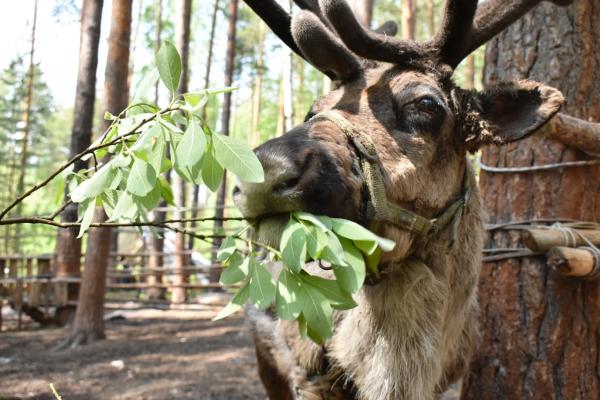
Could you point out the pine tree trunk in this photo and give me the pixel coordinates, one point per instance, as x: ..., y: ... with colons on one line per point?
x: 225, y: 121
x: 88, y: 325
x: 409, y: 19
x: 184, y: 14
x: 540, y: 330
x: 363, y: 9
x: 68, y: 246
x: 470, y: 72
x: 280, y: 130
x: 157, y: 241
x: 288, y: 86
x: 211, y: 41
x: 431, y: 18
x: 26, y: 128
x: 257, y: 88
x: 299, y: 93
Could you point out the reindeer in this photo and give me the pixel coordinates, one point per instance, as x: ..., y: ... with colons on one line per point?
x: 387, y: 148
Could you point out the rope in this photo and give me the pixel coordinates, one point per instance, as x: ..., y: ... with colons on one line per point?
x: 570, y: 233
x: 568, y: 230
x: 532, y: 168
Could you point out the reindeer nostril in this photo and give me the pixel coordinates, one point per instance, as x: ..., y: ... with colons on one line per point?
x: 286, y: 185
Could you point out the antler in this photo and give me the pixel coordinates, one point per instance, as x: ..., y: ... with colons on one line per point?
x: 368, y: 44
x: 310, y: 34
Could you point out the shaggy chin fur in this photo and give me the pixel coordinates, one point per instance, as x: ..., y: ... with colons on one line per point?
x: 411, y: 335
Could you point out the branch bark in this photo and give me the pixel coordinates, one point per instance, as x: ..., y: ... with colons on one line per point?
x: 574, y: 132
x: 544, y: 239
x: 579, y: 262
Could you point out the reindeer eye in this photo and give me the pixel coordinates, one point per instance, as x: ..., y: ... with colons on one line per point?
x: 427, y: 104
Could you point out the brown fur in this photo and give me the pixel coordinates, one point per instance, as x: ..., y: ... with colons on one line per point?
x: 413, y: 332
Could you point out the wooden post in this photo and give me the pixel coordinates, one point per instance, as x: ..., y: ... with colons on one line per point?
x: 18, y: 301
x: 579, y: 262
x: 2, y: 266
x: 44, y: 269
x: 542, y: 240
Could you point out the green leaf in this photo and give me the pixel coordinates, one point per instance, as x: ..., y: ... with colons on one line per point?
x: 165, y: 190
x: 236, y: 156
x: 169, y: 66
x: 88, y: 216
x: 366, y: 246
x: 109, y: 201
x: 236, y: 270
x: 351, y: 277
x: 330, y: 289
x: 145, y: 85
x: 333, y: 251
x: 316, y: 240
x: 293, y: 246
x: 142, y: 178
x: 191, y: 147
x: 157, y: 155
x: 262, y: 285
x: 354, y: 231
x: 95, y: 185
x: 227, y: 248
x: 321, y: 223
x: 147, y: 138
x: 302, y: 328
x: 149, y: 201
x: 236, y: 303
x: 212, y: 172
x: 125, y: 208
x: 317, y: 312
x: 170, y: 126
x: 287, y: 302
x: 373, y: 260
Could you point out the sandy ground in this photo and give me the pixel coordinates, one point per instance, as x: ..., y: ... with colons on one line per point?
x: 148, y: 355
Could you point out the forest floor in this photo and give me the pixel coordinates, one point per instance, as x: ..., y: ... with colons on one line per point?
x: 148, y: 354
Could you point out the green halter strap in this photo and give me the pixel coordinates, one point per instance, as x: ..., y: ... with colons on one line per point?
x: 380, y: 209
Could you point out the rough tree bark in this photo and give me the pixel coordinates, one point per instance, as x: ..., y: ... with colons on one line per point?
x: 68, y: 246
x: 541, y: 331
x: 184, y: 14
x: 157, y: 241
x: 26, y: 127
x: 225, y: 120
x: 88, y: 325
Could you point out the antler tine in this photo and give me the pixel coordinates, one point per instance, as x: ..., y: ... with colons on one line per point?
x: 322, y: 48
x: 494, y: 16
x: 365, y: 43
x: 454, y: 29
x: 277, y: 19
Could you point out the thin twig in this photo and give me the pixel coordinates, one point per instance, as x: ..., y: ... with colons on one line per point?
x: 89, y: 150
x: 60, y: 210
x: 50, y: 221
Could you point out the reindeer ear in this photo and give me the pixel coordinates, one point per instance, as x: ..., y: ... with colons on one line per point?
x: 508, y: 112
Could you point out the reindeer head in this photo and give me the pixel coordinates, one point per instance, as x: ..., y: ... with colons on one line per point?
x: 399, y: 94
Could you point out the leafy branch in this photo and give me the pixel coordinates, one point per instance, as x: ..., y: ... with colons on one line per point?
x: 128, y: 182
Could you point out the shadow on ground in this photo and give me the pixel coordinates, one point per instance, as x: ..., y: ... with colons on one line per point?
x: 142, y: 358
